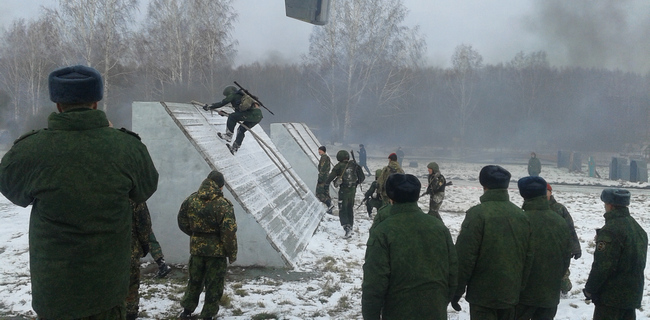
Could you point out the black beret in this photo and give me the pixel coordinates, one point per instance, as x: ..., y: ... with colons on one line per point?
x: 217, y: 177
x: 616, y: 197
x: 75, y: 85
x: 531, y: 187
x: 494, y: 177
x: 322, y: 148
x: 403, y: 187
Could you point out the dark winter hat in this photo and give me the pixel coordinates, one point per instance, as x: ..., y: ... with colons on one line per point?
x: 403, y: 187
x: 217, y: 177
x: 433, y: 166
x: 342, y: 155
x: 392, y: 156
x: 322, y: 148
x: 494, y: 177
x: 76, y: 85
x: 361, y: 145
x: 531, y: 187
x: 616, y: 197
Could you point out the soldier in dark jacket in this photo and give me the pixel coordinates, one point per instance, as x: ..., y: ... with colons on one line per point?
x: 209, y: 219
x: 392, y: 167
x: 322, y: 188
x: 550, y: 243
x: 435, y: 189
x: 411, y: 265
x: 494, y: 253
x: 534, y: 165
x: 248, y: 118
x: 363, y: 158
x: 615, y: 283
x: 79, y: 175
x: 349, y: 175
x: 372, y: 197
x: 141, y: 231
x: 576, y: 251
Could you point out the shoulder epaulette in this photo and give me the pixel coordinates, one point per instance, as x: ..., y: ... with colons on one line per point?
x: 31, y: 133
x: 125, y: 130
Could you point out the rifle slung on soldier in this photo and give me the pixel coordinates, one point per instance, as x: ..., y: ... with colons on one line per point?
x: 254, y: 97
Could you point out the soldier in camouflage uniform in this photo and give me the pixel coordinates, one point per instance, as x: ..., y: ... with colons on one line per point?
x: 209, y: 219
x: 392, y: 167
x: 372, y: 197
x: 411, y: 266
x: 78, y: 175
x: 534, y: 165
x: 576, y: 251
x: 435, y: 189
x: 615, y: 283
x: 322, y: 188
x: 550, y: 242
x: 140, y: 233
x: 349, y: 174
x: 494, y: 253
x: 249, y: 118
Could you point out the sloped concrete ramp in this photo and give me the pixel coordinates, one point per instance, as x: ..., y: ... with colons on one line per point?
x: 276, y: 212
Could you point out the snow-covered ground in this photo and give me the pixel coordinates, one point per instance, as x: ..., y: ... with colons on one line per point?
x: 327, y: 283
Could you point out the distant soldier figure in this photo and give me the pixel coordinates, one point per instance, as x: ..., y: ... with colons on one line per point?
x: 348, y: 174
x: 363, y: 158
x: 534, y: 165
x: 322, y: 188
x: 140, y: 233
x: 400, y: 155
x: 615, y: 283
x: 372, y: 197
x: 551, y: 246
x: 392, y: 167
x: 576, y: 251
x: 209, y: 219
x: 435, y: 189
x: 246, y: 110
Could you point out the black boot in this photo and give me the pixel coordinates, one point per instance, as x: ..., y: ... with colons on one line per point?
x: 163, y: 268
x: 131, y: 316
x: 186, y: 314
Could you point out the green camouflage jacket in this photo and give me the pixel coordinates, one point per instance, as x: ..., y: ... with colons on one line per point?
x: 392, y: 167
x: 551, y: 247
x: 209, y: 219
x: 410, y: 267
x: 79, y: 175
x: 494, y: 252
x: 616, y: 277
x: 564, y: 213
x: 324, y: 166
x: 141, y: 229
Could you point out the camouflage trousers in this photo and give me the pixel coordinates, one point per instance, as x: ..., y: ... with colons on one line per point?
x: 373, y: 203
x: 435, y: 202
x: 346, y: 205
x: 208, y: 273
x: 323, y: 193
x: 154, y: 246
x: 133, y: 296
x: 115, y: 313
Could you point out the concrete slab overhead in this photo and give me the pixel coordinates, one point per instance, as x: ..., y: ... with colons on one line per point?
x: 276, y: 212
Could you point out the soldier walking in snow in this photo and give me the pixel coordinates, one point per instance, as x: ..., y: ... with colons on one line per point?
x: 247, y: 112
x: 435, y: 189
x: 534, y: 165
x: 348, y: 174
x: 322, y: 188
x: 209, y: 219
x: 392, y: 167
x: 363, y: 158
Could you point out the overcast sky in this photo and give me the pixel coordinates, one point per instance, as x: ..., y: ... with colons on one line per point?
x: 592, y: 33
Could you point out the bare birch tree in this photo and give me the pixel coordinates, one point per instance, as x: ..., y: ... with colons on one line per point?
x: 461, y: 80
x: 530, y: 75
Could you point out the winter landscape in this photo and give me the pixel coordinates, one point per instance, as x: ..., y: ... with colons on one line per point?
x: 327, y: 282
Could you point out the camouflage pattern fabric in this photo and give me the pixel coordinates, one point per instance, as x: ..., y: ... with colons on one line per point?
x: 616, y: 276
x: 347, y: 191
x: 436, y: 191
x: 154, y: 248
x: 410, y: 267
x: 207, y: 273
x: 392, y: 167
x: 494, y: 252
x: 550, y: 242
x: 322, y: 188
x: 140, y: 235
x: 79, y: 175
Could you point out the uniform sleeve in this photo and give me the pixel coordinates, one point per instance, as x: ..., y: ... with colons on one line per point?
x: 376, y: 274
x: 228, y: 232
x: 468, y: 245
x: 323, y: 170
x: 143, y: 222
x: 575, y: 242
x: 606, y: 256
x: 183, y: 218
x: 145, y: 178
x: 453, y: 266
x: 14, y: 181
x: 333, y: 174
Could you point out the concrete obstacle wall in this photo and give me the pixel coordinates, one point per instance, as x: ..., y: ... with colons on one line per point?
x: 276, y: 212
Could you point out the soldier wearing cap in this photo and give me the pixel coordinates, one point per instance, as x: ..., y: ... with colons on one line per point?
x: 80, y: 175
x: 615, y: 283
x: 392, y: 167
x: 410, y: 265
x: 209, y: 219
x: 550, y: 242
x: 494, y: 253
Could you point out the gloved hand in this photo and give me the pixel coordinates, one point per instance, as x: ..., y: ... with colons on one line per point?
x: 206, y: 107
x: 577, y: 255
x: 454, y: 303
x: 145, y: 249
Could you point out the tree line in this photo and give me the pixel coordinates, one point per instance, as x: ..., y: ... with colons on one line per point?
x: 363, y: 79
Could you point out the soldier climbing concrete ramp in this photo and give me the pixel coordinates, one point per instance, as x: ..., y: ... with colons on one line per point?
x: 275, y: 210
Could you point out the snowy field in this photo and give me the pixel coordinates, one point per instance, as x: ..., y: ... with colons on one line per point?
x: 327, y: 283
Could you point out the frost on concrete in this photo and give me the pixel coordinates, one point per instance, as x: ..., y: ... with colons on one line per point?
x: 276, y: 212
